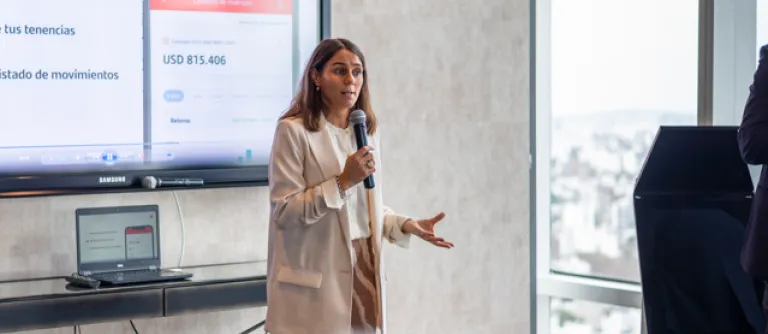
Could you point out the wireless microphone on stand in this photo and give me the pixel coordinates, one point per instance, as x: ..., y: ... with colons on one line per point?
x: 357, y: 119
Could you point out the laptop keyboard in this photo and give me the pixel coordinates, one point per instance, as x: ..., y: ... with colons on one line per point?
x: 125, y: 276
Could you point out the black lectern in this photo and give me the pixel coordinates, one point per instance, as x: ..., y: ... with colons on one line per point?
x: 692, y: 201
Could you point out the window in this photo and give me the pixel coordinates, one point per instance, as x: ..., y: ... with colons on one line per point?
x: 607, y: 74
x: 619, y: 69
x: 582, y: 317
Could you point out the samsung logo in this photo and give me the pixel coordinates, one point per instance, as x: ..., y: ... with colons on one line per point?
x: 112, y: 179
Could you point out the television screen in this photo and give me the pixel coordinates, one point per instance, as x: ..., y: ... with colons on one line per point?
x: 91, y: 86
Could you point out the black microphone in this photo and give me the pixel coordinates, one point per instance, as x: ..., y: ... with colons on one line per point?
x: 151, y: 182
x: 357, y: 119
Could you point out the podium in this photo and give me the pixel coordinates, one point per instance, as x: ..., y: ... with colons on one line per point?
x: 692, y: 201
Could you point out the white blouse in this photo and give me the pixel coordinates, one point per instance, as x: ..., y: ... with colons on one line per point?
x: 344, y: 145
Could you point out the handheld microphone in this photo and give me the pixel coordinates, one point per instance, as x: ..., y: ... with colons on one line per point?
x: 151, y: 182
x: 357, y: 119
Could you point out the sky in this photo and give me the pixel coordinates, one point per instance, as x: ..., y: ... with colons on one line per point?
x: 762, y: 22
x: 611, y: 55
x: 631, y: 55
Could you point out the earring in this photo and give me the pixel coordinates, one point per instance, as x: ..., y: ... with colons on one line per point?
x: 317, y: 88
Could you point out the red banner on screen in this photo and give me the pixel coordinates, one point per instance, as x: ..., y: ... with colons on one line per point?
x: 225, y: 6
x: 138, y: 230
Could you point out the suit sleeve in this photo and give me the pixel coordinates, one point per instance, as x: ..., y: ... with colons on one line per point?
x: 393, y: 222
x: 393, y: 228
x: 753, y: 132
x: 294, y: 203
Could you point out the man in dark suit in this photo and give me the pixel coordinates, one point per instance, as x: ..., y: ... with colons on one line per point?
x: 753, y: 142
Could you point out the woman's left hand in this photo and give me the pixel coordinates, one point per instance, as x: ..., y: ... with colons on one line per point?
x: 425, y: 229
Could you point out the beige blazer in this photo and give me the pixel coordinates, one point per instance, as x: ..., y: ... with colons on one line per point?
x: 309, y: 277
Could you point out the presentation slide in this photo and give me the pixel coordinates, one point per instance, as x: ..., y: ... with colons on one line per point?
x: 93, y: 85
x: 221, y: 75
x: 71, y: 80
x: 117, y: 237
x: 139, y: 242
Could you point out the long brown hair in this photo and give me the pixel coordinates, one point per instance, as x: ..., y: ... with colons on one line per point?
x: 308, y: 102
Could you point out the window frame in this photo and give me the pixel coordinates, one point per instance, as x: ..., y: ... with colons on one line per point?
x: 727, y: 60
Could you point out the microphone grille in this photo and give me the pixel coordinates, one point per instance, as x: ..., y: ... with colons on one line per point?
x: 149, y: 182
x: 357, y: 117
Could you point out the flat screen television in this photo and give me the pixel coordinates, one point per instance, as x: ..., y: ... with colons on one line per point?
x: 96, y: 95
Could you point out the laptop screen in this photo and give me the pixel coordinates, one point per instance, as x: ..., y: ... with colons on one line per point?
x: 117, y: 236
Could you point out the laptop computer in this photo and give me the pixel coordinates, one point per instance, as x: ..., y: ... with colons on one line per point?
x: 121, y: 245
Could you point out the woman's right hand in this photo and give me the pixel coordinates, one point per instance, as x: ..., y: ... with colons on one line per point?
x: 358, y: 166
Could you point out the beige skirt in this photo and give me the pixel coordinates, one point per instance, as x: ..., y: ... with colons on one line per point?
x: 364, y: 289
